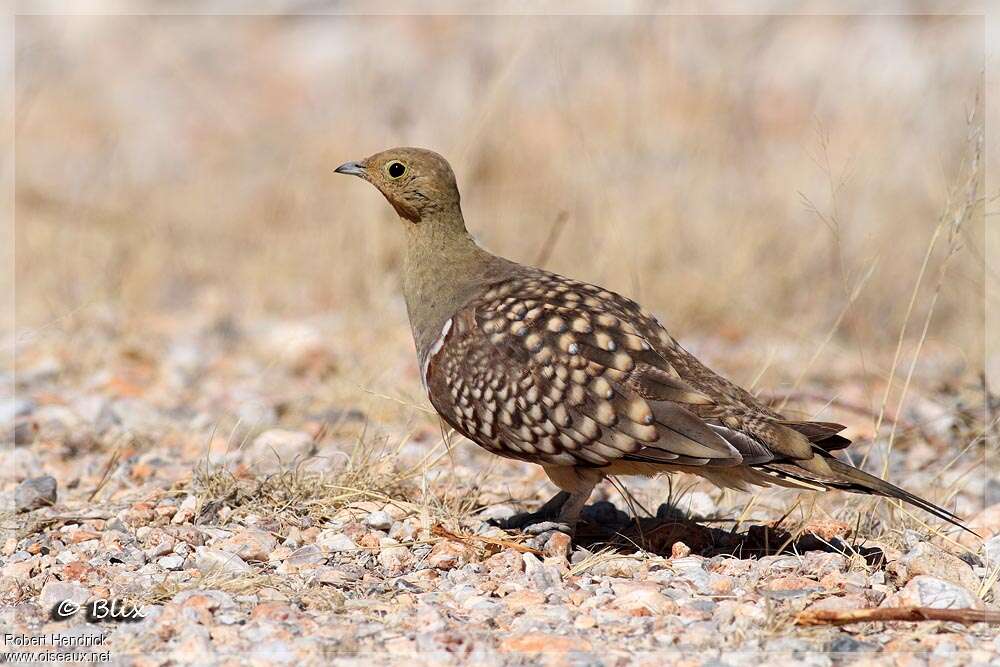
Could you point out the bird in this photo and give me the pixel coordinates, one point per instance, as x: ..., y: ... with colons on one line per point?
x: 538, y: 367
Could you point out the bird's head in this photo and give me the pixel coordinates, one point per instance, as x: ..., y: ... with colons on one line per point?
x: 418, y: 183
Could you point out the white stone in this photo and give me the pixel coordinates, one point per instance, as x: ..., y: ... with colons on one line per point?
x: 379, y: 520
x: 334, y: 541
x: 927, y: 591
x: 207, y: 559
x: 171, y: 562
x: 67, y: 556
x: 278, y: 445
x: 57, y: 591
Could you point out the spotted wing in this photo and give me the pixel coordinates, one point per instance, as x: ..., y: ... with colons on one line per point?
x: 559, y: 372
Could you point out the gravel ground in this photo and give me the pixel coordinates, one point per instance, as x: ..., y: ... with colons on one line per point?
x: 262, y: 499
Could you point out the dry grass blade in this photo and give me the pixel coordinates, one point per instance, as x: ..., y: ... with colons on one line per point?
x: 441, y: 531
x: 550, y: 240
x: 293, y: 491
x: 214, y: 579
x: 106, y: 475
x: 784, y: 397
x: 398, y: 401
x: 912, y: 614
x: 604, y: 556
x: 991, y: 579
x: 852, y: 298
x: 954, y: 220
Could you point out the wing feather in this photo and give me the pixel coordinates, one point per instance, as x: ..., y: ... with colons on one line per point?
x: 543, y: 368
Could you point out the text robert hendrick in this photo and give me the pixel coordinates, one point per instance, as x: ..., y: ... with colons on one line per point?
x: 54, y: 639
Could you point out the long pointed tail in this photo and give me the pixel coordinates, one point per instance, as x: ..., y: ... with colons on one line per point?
x: 858, y: 481
x: 848, y: 478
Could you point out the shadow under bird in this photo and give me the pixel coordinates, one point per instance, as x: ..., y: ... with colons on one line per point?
x: 582, y: 381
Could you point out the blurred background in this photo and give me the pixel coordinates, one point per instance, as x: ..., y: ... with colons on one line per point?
x: 769, y: 185
x: 211, y: 336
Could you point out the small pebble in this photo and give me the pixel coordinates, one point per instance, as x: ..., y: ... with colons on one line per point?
x: 378, y: 520
x: 334, y: 541
x: 215, y: 560
x: 35, y: 493
x: 171, y: 562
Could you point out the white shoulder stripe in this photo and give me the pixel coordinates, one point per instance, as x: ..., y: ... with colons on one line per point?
x: 435, y: 348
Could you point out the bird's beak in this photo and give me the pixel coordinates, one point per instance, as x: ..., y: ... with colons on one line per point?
x: 352, y: 168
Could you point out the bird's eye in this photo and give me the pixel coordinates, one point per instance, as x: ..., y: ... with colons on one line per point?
x: 396, y: 169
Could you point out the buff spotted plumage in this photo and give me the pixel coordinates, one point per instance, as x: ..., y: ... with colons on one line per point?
x: 534, y: 366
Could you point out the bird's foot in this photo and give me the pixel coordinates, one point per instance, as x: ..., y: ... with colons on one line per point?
x: 534, y: 523
x: 540, y: 529
x: 548, y: 514
x: 543, y: 527
x: 550, y: 537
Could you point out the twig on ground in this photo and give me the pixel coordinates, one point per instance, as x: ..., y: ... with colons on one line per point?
x: 912, y: 614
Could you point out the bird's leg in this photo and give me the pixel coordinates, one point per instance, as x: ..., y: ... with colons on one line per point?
x: 569, y: 514
x: 562, y: 512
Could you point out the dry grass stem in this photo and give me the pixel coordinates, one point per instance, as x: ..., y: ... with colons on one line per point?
x: 441, y: 531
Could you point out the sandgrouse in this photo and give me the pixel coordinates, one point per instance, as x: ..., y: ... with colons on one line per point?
x: 582, y: 381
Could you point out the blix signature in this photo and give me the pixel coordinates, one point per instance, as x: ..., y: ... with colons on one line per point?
x: 96, y: 611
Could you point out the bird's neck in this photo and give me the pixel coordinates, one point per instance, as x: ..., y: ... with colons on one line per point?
x: 442, y: 270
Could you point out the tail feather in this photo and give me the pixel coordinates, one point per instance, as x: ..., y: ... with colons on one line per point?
x: 798, y: 454
x: 822, y: 434
x: 849, y: 478
x: 832, y: 443
x: 859, y: 481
